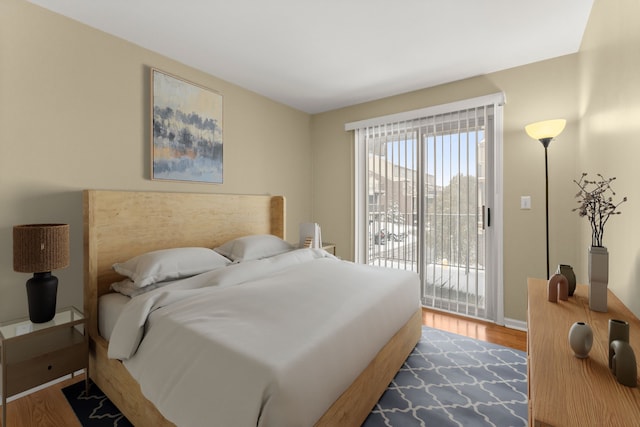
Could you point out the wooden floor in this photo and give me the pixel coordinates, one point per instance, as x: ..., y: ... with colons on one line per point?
x: 49, y: 408
x: 485, y: 331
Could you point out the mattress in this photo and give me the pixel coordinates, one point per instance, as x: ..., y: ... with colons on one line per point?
x: 109, y: 308
x: 264, y: 343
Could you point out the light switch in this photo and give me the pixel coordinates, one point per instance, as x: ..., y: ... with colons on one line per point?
x: 525, y: 202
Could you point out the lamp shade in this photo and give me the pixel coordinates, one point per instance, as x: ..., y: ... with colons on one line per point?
x: 40, y: 248
x: 547, y: 129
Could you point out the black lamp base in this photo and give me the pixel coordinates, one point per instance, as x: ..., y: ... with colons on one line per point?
x: 42, y: 290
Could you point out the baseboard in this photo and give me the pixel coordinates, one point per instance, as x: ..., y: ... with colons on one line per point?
x: 515, y: 324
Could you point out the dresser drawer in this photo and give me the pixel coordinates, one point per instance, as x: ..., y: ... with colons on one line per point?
x: 35, y: 371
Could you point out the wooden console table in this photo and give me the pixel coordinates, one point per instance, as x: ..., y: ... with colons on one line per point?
x: 564, y: 390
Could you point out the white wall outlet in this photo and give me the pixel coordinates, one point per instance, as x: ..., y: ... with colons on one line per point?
x: 525, y: 202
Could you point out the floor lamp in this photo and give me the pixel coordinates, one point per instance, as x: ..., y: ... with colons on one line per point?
x: 544, y: 132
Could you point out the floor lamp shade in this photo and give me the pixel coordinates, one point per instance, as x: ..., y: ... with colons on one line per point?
x: 546, y: 130
x: 39, y: 249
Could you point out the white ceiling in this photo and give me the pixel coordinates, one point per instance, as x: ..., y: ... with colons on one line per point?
x: 319, y: 55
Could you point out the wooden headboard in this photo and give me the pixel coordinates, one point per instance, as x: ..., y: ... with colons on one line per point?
x: 119, y: 225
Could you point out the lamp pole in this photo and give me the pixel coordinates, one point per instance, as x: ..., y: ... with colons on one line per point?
x: 545, y: 142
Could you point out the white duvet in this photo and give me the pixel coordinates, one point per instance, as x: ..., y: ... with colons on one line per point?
x: 272, y: 342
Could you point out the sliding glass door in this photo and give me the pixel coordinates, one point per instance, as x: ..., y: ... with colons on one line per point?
x: 428, y: 205
x: 453, y: 227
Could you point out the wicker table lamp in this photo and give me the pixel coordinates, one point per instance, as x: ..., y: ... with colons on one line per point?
x: 39, y: 249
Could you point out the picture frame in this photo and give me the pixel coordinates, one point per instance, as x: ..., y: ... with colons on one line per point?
x: 186, y: 130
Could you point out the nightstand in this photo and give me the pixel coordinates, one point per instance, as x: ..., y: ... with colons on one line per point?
x: 329, y: 247
x: 35, y: 353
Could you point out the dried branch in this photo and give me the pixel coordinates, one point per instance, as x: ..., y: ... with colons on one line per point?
x: 595, y: 201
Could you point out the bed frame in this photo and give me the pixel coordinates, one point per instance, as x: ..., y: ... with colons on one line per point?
x: 121, y: 224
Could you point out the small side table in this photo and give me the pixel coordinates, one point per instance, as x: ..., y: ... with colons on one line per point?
x: 35, y: 353
x: 329, y: 247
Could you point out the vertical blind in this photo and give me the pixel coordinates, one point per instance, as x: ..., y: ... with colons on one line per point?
x: 421, y: 187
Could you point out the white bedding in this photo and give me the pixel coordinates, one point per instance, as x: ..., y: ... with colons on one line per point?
x: 272, y: 342
x: 109, y: 307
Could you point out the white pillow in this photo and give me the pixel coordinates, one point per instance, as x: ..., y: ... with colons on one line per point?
x: 252, y: 247
x: 166, y: 264
x: 128, y: 288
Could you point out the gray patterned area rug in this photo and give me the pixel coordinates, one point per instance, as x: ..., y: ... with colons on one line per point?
x: 451, y: 380
x: 448, y: 380
x: 94, y: 409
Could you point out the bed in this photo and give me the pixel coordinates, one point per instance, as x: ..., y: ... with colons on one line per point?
x: 119, y: 225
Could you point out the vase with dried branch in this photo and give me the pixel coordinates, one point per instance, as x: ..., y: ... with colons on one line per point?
x: 596, y: 203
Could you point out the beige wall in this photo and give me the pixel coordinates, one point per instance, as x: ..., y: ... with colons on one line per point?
x: 610, y: 133
x: 534, y: 92
x: 74, y: 111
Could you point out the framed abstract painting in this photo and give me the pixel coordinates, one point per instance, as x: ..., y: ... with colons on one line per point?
x: 186, y: 130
